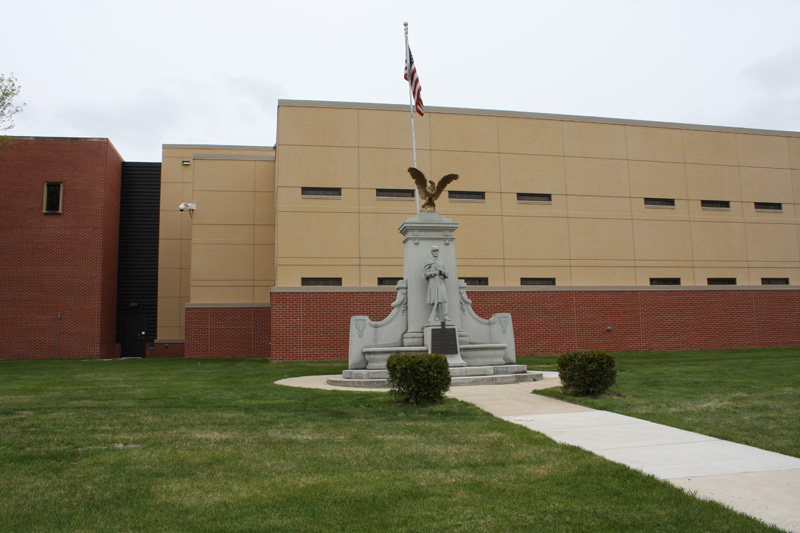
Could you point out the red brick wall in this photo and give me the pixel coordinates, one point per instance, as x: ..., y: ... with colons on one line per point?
x: 58, y: 263
x: 315, y: 325
x: 222, y: 332
x: 166, y: 349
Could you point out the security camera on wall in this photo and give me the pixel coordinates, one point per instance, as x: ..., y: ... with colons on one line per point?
x: 185, y: 205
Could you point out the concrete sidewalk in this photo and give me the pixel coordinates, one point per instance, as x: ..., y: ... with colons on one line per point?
x: 762, y: 484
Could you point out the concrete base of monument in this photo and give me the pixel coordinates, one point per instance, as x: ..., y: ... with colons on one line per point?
x: 470, y: 375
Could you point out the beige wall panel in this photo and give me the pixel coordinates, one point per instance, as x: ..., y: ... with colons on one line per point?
x: 169, y: 282
x: 318, y: 235
x: 654, y: 144
x: 530, y: 136
x: 186, y: 289
x: 186, y: 225
x: 772, y: 242
x: 713, y: 182
x: 186, y: 253
x: 794, y: 152
x: 171, y: 196
x: 388, y: 169
x: 265, y: 176
x: 264, y: 262
x: 468, y: 133
x: 264, y: 205
x: 532, y: 174
x: 515, y: 273
x: 710, y: 147
x: 796, y: 186
x: 222, y: 234
x: 602, y: 276
x: 598, y: 205
x: 476, y: 171
x: 169, y: 253
x: 264, y: 234
x: 643, y: 212
x: 495, y: 274
x: 379, y: 237
x: 656, y: 240
x: 401, y: 208
x: 391, y: 129
x: 222, y: 295
x: 168, y: 310
x: 536, y: 238
x: 291, y: 199
x: 169, y: 333
x: 699, y: 213
x: 600, y: 239
x: 222, y: 262
x: 317, y: 126
x: 597, y: 177
x: 766, y: 185
x: 216, y: 175
x: 718, y: 241
x: 479, y: 237
x: 763, y: 151
x: 370, y: 275
x: 169, y: 224
x: 291, y: 276
x: 217, y: 207
x: 261, y: 295
x: 174, y: 171
x: 686, y: 274
x: 657, y: 180
x: 586, y: 139
x: 315, y: 166
x: 702, y: 274
x: 492, y: 206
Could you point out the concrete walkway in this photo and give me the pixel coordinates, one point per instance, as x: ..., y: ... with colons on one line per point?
x: 759, y: 483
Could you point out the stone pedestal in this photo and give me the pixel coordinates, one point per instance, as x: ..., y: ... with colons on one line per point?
x: 443, y: 339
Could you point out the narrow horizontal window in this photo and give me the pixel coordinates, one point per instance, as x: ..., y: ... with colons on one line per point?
x: 659, y: 202
x: 53, y: 197
x: 537, y: 281
x: 722, y: 281
x: 466, y: 195
x: 476, y: 281
x: 774, y: 281
x: 715, y: 204
x: 388, y: 281
x: 394, y: 193
x: 325, y: 192
x: 769, y: 206
x: 665, y: 281
x: 534, y: 198
x: 321, y: 282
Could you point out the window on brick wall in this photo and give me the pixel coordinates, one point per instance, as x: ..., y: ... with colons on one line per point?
x: 388, y: 281
x: 721, y: 281
x: 537, y: 281
x: 476, y: 281
x: 321, y: 192
x: 394, y: 194
x: 53, y: 197
x: 659, y: 202
x: 665, y: 281
x: 472, y: 196
x: 774, y: 281
x: 715, y: 204
x: 534, y: 198
x: 321, y: 282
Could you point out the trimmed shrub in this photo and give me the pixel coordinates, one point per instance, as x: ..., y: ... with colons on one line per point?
x: 587, y: 372
x: 418, y: 378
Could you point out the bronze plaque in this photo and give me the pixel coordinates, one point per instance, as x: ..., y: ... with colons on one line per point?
x: 444, y: 341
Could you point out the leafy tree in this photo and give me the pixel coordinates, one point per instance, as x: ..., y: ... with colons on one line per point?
x: 9, y: 89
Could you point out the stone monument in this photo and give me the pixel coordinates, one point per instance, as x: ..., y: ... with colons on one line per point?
x: 432, y: 313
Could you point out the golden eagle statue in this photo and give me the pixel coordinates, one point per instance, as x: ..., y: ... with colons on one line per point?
x: 428, y: 190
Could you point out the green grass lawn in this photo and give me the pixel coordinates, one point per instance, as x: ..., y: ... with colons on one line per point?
x: 746, y: 396
x: 215, y: 445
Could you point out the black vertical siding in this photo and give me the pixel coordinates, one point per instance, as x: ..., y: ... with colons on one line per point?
x: 137, y: 276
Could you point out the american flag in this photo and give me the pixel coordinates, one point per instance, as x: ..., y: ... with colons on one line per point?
x: 416, y: 87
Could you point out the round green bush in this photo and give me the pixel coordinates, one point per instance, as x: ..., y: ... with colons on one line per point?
x: 587, y: 372
x: 418, y: 378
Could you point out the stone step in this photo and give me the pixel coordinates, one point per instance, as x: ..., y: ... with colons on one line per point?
x: 487, y: 379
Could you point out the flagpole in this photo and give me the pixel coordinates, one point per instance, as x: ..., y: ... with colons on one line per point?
x: 411, y: 108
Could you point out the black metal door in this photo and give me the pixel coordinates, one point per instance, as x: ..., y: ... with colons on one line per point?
x: 134, y: 330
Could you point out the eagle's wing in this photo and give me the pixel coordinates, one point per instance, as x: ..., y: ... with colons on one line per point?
x: 444, y: 182
x: 420, y: 180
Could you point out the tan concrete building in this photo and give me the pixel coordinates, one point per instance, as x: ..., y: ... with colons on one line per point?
x: 542, y: 200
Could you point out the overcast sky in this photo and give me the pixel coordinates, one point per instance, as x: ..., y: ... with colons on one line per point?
x: 143, y: 73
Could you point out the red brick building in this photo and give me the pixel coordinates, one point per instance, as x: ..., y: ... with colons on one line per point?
x: 59, y: 232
